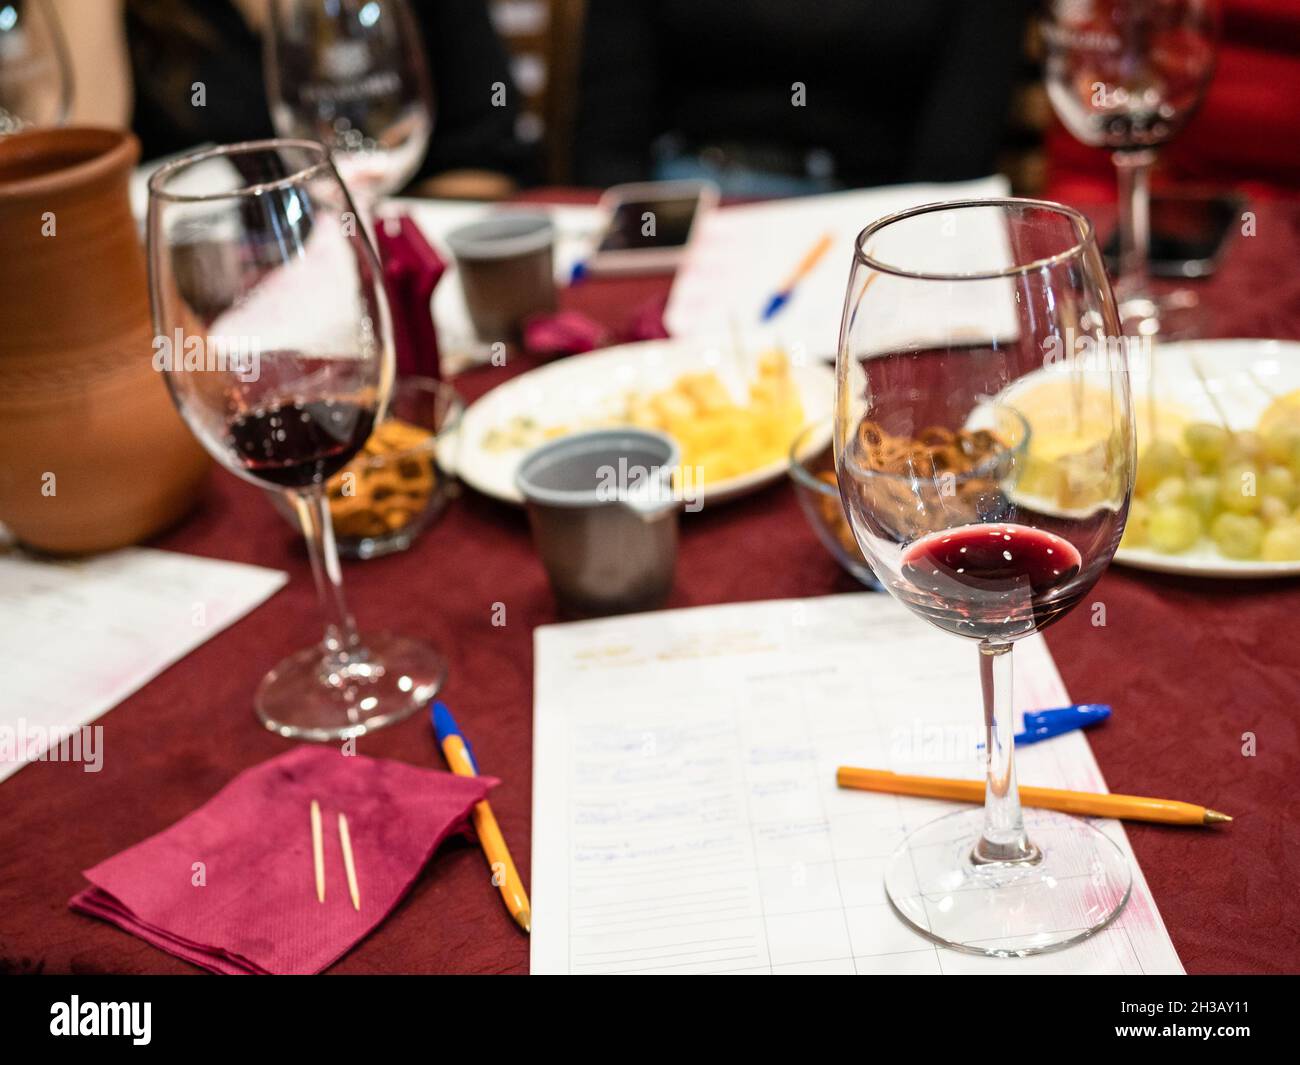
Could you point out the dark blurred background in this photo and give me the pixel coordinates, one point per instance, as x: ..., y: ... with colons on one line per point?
x: 765, y: 96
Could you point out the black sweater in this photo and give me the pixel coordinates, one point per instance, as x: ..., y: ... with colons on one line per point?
x: 895, y: 90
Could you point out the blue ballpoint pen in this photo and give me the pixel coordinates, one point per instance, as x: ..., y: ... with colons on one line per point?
x: 1044, y: 724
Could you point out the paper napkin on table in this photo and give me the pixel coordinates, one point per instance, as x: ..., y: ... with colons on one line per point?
x: 231, y: 886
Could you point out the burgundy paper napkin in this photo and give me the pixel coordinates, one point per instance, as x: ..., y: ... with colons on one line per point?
x: 563, y: 333
x: 412, y: 269
x: 231, y: 887
x: 647, y: 321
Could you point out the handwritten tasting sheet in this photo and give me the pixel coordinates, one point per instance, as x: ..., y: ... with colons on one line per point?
x: 80, y: 636
x: 685, y: 812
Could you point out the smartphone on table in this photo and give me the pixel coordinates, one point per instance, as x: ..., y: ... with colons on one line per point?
x: 648, y: 226
x: 1188, y: 232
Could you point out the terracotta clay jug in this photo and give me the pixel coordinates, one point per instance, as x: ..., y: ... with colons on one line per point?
x: 92, y: 453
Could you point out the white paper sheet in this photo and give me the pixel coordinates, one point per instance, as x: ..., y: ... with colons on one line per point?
x: 81, y: 636
x: 685, y: 812
x: 742, y: 255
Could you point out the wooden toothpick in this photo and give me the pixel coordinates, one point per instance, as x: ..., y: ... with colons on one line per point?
x: 348, y: 864
x: 317, y: 851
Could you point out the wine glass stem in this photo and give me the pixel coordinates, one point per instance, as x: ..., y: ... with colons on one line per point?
x: 1004, y: 838
x: 318, y: 528
x: 1134, y: 171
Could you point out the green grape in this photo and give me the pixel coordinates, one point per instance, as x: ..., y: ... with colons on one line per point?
x: 1272, y: 510
x: 1282, y: 445
x: 1239, y: 489
x: 1281, y: 482
x: 1157, y: 462
x: 1238, y: 535
x: 1137, y: 530
x: 1203, y: 497
x: 1168, y: 492
x: 1174, y: 529
x: 1282, y: 543
x: 1244, y: 446
x: 1206, y: 442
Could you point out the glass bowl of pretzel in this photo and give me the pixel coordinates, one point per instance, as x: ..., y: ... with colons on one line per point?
x: 401, y: 479
x: 812, y: 469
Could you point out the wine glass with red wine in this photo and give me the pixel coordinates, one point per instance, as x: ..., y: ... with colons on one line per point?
x: 274, y: 338
x: 984, y: 446
x: 1127, y: 76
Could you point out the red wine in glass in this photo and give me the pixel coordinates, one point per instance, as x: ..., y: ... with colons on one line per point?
x: 300, y: 443
x: 992, y: 578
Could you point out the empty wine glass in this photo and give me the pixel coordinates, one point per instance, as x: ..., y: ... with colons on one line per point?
x: 35, y: 75
x: 274, y: 338
x: 985, y: 451
x: 1128, y: 75
x: 353, y: 75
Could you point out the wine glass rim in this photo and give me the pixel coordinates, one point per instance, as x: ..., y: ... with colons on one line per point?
x: 1085, y: 238
x: 160, y: 176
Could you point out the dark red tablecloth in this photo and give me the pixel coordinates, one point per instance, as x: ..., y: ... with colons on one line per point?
x: 1190, y: 666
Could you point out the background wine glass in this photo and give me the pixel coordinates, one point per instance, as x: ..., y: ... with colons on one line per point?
x: 353, y: 75
x: 274, y: 337
x: 35, y: 75
x: 985, y: 452
x: 1128, y: 75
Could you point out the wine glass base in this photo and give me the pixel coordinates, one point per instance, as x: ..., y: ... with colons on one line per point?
x: 1078, y: 885
x: 311, y: 697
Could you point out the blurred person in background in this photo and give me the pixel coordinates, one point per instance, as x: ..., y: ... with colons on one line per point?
x: 769, y: 97
x: 135, y: 62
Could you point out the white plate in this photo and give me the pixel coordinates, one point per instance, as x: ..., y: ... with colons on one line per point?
x: 1204, y: 560
x: 1233, y: 372
x: 583, y: 388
